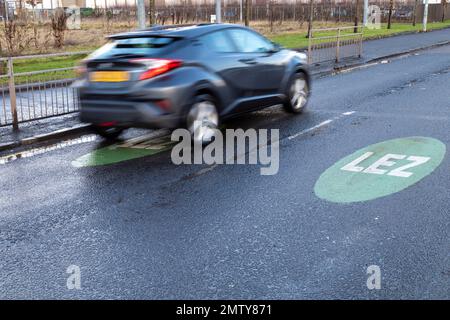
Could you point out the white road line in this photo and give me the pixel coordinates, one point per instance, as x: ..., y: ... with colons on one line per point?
x: 322, y: 124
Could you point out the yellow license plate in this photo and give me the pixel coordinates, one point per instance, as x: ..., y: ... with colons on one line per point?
x: 109, y: 76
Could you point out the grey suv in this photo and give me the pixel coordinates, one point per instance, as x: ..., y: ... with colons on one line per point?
x: 169, y: 77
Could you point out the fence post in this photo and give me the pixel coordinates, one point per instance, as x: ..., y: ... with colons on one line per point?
x: 310, y: 46
x: 12, y: 94
x: 361, y: 37
x: 338, y: 44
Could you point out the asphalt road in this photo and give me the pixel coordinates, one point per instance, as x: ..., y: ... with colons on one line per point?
x: 146, y: 228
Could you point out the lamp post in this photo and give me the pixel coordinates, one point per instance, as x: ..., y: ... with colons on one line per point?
x: 141, y: 14
x: 425, y: 16
x: 218, y: 12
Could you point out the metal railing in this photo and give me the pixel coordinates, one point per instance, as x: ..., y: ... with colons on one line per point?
x: 39, y: 94
x: 334, y: 44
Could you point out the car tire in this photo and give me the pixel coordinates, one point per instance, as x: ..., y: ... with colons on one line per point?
x: 203, y: 112
x: 109, y: 133
x: 298, y: 94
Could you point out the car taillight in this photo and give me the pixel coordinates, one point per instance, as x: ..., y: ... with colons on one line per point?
x: 155, y: 67
x: 108, y: 124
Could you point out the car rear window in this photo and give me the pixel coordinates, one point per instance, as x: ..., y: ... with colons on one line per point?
x: 143, y: 43
x: 133, y: 46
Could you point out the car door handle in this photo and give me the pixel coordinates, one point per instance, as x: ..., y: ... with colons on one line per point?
x: 248, y: 61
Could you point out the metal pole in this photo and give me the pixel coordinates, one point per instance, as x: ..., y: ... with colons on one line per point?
x: 218, y: 12
x: 360, y: 50
x: 366, y: 12
x: 6, y: 10
x: 338, y: 40
x: 310, y: 46
x: 425, y: 16
x: 241, y: 7
x: 141, y: 13
x: 12, y: 94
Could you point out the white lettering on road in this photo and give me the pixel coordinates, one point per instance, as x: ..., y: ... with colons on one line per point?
x: 386, y: 162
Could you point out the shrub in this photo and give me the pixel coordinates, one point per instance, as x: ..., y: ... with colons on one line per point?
x: 59, y: 20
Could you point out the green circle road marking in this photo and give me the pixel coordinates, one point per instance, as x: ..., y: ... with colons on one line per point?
x: 380, y: 169
x: 130, y: 149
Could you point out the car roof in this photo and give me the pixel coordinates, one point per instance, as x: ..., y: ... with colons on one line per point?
x: 182, y: 31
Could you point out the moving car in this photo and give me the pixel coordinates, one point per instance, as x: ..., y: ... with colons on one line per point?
x: 192, y: 76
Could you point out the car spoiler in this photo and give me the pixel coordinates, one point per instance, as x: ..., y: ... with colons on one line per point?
x: 141, y: 34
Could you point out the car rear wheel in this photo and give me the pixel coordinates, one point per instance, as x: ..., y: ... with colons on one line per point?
x: 298, y: 94
x: 109, y: 133
x: 202, y: 119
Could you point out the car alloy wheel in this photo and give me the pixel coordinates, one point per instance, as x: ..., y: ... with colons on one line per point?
x: 202, y: 119
x: 299, y: 93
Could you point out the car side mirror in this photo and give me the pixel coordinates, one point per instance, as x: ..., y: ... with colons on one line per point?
x: 276, y: 47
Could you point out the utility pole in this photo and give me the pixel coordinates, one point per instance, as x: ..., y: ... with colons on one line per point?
x: 141, y: 14
x: 366, y: 12
x: 425, y: 16
x: 218, y: 12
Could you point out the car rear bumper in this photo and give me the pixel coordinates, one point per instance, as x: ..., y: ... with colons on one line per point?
x: 127, y: 114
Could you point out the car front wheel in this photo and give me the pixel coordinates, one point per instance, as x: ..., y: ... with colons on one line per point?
x: 298, y: 94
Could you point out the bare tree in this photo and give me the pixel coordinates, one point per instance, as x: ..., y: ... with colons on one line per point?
x: 59, y: 20
x: 16, y: 36
x: 444, y: 8
x: 152, y: 12
x: 356, y: 19
x: 311, y: 16
x: 247, y: 12
x: 391, y: 7
x: 270, y: 14
x: 415, y: 13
